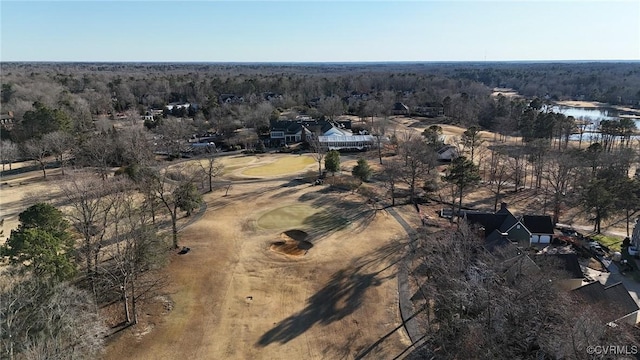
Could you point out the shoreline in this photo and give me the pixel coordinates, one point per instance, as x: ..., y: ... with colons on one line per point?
x: 635, y: 113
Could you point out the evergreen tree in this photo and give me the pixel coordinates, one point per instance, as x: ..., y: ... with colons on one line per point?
x: 42, y: 243
x: 332, y: 161
x: 362, y: 170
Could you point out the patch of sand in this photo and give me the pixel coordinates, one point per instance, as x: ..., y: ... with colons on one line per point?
x: 293, y: 243
x: 507, y: 92
x: 581, y: 104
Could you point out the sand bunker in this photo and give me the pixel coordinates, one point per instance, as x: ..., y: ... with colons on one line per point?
x: 293, y: 243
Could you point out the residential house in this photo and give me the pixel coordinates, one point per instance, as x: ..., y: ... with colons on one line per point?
x: 614, y: 302
x: 270, y: 96
x: 400, y: 109
x: 565, y: 265
x: 540, y: 228
x: 178, y: 106
x: 355, y: 96
x: 230, y: 99
x: 526, y: 230
x: 429, y: 110
x: 284, y: 132
x: 6, y: 120
x: 334, y: 135
x: 148, y: 116
x: 447, y: 153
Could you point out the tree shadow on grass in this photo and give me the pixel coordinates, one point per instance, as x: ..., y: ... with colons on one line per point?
x: 340, y: 297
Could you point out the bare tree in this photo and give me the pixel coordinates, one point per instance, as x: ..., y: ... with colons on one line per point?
x: 331, y: 106
x: 392, y: 174
x: 378, y: 130
x: 172, y: 189
x: 137, y: 248
x: 174, y: 133
x: 211, y: 167
x: 38, y: 151
x: 503, y: 302
x: 16, y: 298
x: 8, y: 152
x: 371, y: 109
x: 90, y: 201
x: 259, y: 117
x: 516, y: 163
x: 559, y: 171
x: 97, y: 151
x: 318, y: 151
x: 419, y: 159
x: 59, y: 142
x: 135, y: 147
x: 42, y: 322
x: 70, y: 328
x: 498, y: 178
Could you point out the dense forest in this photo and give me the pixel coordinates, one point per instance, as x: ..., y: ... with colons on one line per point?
x: 83, y: 91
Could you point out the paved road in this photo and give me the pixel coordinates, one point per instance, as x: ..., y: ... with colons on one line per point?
x: 404, y: 292
x: 587, y: 229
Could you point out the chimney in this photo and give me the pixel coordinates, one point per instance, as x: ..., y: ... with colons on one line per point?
x: 503, y: 206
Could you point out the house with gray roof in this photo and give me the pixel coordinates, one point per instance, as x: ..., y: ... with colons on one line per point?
x: 614, y: 302
x: 333, y: 135
x: 525, y: 230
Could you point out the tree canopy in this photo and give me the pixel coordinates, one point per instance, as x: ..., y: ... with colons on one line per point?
x: 42, y: 243
x: 362, y: 170
x: 462, y: 173
x: 332, y: 161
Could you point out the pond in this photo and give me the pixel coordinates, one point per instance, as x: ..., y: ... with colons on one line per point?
x: 593, y: 116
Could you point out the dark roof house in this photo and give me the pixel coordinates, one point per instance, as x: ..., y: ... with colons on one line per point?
x: 505, y: 224
x: 614, y: 301
x: 400, y: 109
x: 289, y: 131
x: 447, y: 153
x: 230, y: 99
x: 538, y: 224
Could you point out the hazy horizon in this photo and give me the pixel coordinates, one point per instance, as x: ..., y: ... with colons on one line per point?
x: 320, y: 32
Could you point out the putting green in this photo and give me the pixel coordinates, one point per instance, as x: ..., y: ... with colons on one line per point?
x: 300, y: 216
x: 284, y: 165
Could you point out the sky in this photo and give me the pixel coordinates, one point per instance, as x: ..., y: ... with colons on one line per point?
x: 319, y: 31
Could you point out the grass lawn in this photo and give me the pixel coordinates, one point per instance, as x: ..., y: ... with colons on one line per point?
x: 612, y: 242
x: 282, y: 166
x: 235, y: 162
x: 300, y: 216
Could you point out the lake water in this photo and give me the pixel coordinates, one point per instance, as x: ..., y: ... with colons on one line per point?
x: 591, y: 115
